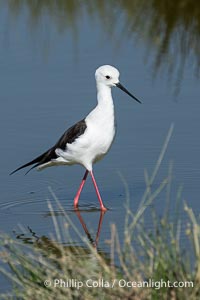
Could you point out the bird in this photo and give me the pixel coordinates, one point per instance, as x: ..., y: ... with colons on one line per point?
x: 89, y: 140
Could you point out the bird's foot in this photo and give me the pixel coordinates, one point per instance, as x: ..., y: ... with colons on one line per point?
x: 75, y: 206
x: 103, y: 208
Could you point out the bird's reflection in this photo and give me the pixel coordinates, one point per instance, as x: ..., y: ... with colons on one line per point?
x: 94, y: 242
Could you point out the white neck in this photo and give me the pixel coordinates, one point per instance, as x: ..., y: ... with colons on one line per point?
x: 105, y: 108
x: 104, y: 96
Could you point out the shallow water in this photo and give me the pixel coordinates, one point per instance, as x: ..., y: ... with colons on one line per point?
x: 47, y: 84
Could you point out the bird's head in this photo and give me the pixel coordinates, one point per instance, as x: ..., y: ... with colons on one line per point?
x: 109, y: 76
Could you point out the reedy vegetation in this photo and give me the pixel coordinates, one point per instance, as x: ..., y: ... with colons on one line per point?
x: 144, y: 254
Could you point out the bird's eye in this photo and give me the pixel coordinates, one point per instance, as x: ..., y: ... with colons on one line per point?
x: 107, y: 77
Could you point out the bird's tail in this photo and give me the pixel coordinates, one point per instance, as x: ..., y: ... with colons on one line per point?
x: 36, y: 162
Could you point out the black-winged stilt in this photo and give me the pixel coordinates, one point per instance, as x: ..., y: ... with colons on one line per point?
x: 90, y: 139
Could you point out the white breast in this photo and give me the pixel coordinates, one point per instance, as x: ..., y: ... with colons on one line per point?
x: 101, y: 132
x: 96, y: 140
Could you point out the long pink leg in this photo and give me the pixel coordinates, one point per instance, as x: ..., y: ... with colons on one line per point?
x: 97, y: 192
x: 80, y: 189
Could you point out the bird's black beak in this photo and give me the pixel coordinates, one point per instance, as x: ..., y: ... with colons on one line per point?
x: 120, y: 86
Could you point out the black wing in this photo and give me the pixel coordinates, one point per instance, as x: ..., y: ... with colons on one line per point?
x: 69, y: 137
